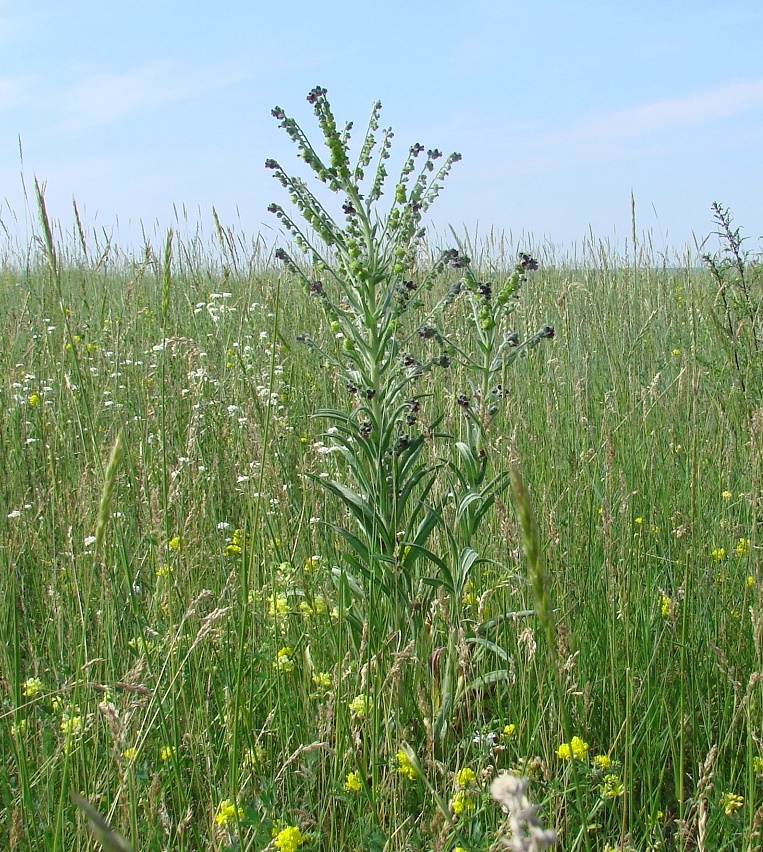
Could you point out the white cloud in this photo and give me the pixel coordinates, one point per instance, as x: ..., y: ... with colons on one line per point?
x: 104, y: 98
x: 668, y: 114
x: 648, y: 129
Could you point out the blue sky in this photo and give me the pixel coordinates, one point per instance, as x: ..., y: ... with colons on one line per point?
x: 560, y: 109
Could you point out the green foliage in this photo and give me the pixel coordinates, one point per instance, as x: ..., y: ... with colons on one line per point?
x: 737, y: 310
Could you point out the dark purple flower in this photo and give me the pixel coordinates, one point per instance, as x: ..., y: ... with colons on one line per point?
x: 315, y: 94
x: 527, y: 263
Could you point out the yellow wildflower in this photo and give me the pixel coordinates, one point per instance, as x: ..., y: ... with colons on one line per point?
x: 167, y: 752
x: 611, y: 787
x: 575, y: 749
x: 233, y: 548
x: 174, y: 543
x: 743, y: 547
x: 71, y: 725
x: 718, y: 553
x: 405, y: 767
x: 289, y: 839
x: 462, y: 802
x: 731, y: 802
x: 31, y: 687
x: 667, y: 606
x: 228, y: 812
x: 757, y: 765
x: 750, y: 581
x: 509, y: 731
x: 359, y: 706
x: 602, y: 761
x: 322, y: 680
x: 726, y: 495
x: 130, y: 753
x: 465, y: 777
x: 311, y: 563
x: 278, y: 606
x: 283, y: 661
x: 353, y: 784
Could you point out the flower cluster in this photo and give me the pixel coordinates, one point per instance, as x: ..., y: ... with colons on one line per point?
x: 576, y: 749
x: 405, y: 766
x: 289, y: 839
x: 228, y: 811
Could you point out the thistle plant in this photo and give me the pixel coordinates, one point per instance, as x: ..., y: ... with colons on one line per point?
x: 387, y: 347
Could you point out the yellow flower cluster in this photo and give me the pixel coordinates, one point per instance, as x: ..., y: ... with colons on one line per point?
x: 233, y: 548
x: 465, y: 777
x: 71, y: 724
x: 289, y: 839
x: 31, y: 687
x: 278, y: 606
x: 283, y: 661
x: 731, y: 802
x: 359, y: 706
x: 228, y: 812
x: 743, y: 547
x: 611, y: 787
x: 576, y: 749
x: 602, y: 762
x: 353, y: 784
x: 322, y: 681
x: 462, y: 802
x: 405, y: 767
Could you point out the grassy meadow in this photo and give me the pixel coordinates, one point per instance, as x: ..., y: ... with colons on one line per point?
x: 181, y: 641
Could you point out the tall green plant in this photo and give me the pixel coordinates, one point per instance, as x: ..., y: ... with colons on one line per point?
x: 409, y: 536
x: 737, y: 313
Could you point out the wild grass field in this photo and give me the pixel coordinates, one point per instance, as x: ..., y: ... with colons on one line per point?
x: 200, y: 657
x: 193, y: 642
